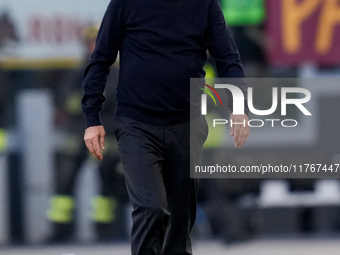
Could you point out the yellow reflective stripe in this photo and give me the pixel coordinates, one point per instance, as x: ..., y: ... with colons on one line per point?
x: 56, y: 63
x: 210, y: 74
x: 217, y: 135
x: 61, y: 209
x: 73, y: 103
x: 3, y: 140
x: 103, y: 209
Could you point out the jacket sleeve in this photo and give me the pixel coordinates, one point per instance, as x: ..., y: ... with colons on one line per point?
x: 109, y: 40
x: 223, y: 49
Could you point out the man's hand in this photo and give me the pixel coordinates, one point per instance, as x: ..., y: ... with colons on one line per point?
x: 239, y: 131
x: 94, y: 138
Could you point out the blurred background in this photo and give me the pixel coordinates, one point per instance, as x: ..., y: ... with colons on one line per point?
x: 52, y: 192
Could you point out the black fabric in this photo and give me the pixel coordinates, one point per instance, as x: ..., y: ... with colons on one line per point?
x: 156, y: 160
x: 162, y: 44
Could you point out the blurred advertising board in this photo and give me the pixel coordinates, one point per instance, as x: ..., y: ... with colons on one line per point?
x: 45, y: 33
x: 303, y: 31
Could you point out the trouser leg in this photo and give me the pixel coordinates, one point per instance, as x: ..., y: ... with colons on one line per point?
x: 141, y: 153
x: 156, y: 160
x: 181, y: 189
x: 181, y: 193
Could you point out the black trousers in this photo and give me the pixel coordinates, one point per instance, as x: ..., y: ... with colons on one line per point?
x: 156, y: 161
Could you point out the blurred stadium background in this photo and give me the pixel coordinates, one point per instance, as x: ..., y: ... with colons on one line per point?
x: 50, y: 189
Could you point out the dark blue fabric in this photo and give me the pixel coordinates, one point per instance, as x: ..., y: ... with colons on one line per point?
x: 157, y: 161
x: 162, y: 44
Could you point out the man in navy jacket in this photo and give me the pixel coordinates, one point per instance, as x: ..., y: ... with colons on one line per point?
x: 162, y: 44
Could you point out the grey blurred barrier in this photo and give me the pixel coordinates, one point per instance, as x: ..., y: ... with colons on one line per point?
x: 86, y: 189
x: 35, y: 130
x: 36, y: 140
x: 4, y: 236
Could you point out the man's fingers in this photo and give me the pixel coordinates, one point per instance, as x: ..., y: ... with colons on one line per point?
x: 239, y: 131
x: 89, y: 146
x: 102, y: 141
x: 95, y: 140
x: 243, y: 136
x: 237, y: 128
x: 93, y: 147
x: 96, y: 149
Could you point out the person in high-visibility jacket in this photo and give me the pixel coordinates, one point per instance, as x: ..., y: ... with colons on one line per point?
x: 71, y: 156
x: 3, y: 140
x: 219, y: 197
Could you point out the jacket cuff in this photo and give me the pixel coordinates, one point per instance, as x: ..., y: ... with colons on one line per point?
x: 92, y: 119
